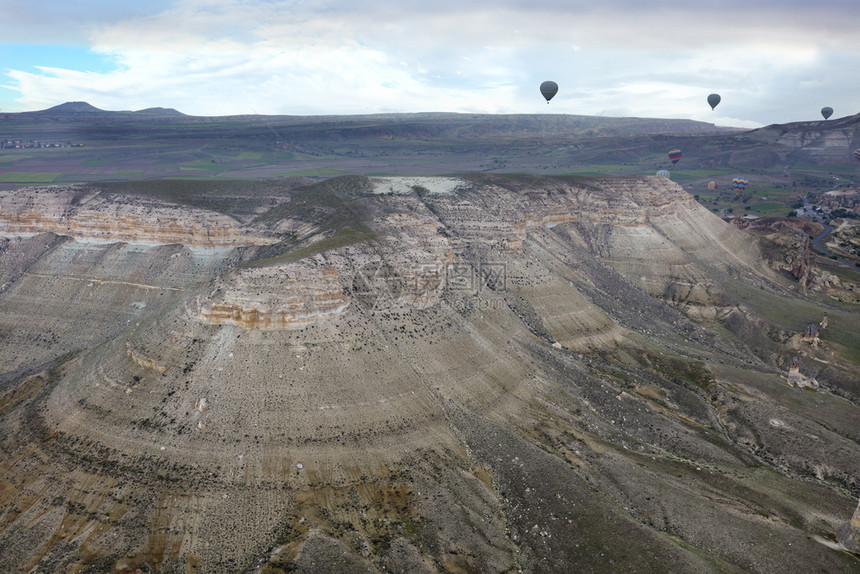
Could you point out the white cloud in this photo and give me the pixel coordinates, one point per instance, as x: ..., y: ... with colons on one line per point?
x: 221, y: 57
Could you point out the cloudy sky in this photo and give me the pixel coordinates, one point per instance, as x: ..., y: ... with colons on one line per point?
x: 772, y: 61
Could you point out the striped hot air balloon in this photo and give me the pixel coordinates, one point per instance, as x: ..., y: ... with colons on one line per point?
x: 674, y: 156
x: 857, y: 154
x: 663, y: 173
x: 740, y: 183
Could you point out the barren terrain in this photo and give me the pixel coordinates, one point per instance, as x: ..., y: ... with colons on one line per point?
x: 480, y: 373
x: 781, y: 162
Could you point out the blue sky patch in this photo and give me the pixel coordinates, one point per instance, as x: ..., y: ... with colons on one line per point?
x: 27, y: 57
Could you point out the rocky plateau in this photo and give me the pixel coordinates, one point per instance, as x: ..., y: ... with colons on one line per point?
x: 490, y: 373
x: 89, y: 216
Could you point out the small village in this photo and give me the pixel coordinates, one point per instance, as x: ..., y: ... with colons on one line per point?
x: 6, y: 143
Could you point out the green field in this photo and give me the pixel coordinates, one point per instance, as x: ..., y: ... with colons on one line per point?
x: 11, y: 158
x: 315, y: 157
x: 582, y: 172
x: 311, y: 172
x: 705, y: 173
x: 203, y: 165
x: 86, y: 177
x: 811, y: 167
x: 27, y: 177
x: 601, y: 170
x: 683, y: 176
x: 795, y: 313
x: 769, y: 208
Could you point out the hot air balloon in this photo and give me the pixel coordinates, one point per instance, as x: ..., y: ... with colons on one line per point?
x: 827, y: 112
x: 740, y: 183
x: 712, y: 185
x: 548, y: 89
x: 663, y: 173
x: 674, y: 156
x: 857, y: 154
x: 713, y: 100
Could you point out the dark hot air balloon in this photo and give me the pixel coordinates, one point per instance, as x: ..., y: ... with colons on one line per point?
x: 827, y: 112
x: 713, y: 100
x: 548, y: 89
x: 674, y: 156
x: 857, y: 154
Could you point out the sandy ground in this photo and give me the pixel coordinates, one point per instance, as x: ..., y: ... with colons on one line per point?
x: 404, y: 185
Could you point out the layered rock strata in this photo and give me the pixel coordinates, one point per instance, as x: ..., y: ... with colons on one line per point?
x: 285, y: 297
x: 406, y: 266
x: 88, y: 215
x: 493, y: 379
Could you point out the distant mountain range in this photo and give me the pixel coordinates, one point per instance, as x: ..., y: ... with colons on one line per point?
x: 469, y: 126
x: 163, y: 142
x: 86, y: 108
x: 433, y: 124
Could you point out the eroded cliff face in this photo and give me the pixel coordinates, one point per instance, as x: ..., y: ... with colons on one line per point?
x: 649, y: 231
x: 823, y: 146
x: 405, y: 266
x: 790, y: 251
x: 787, y: 248
x: 849, y: 533
x: 284, y: 297
x: 460, y: 381
x: 818, y: 139
x: 88, y: 215
x: 504, y: 215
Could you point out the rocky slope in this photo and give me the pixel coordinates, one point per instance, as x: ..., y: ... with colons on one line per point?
x: 500, y: 374
x: 849, y: 533
x: 90, y: 215
x: 788, y: 248
x: 817, y: 142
